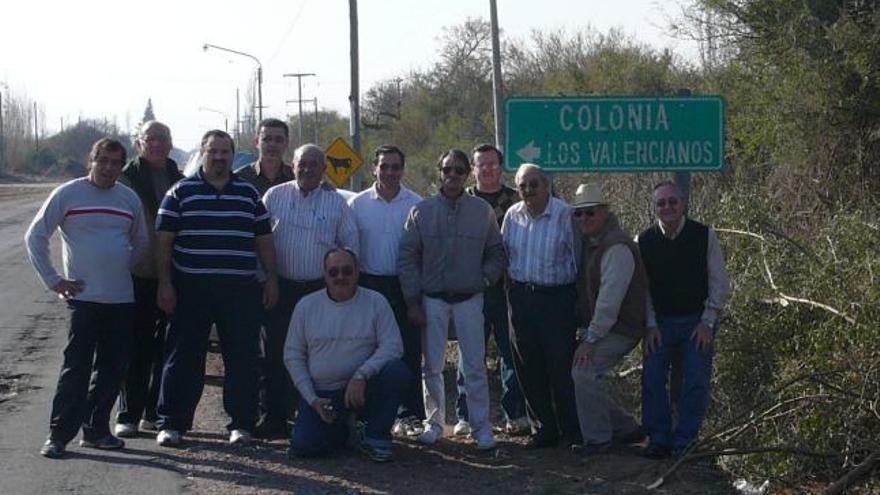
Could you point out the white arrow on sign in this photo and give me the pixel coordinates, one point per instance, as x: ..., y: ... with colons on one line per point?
x: 529, y: 152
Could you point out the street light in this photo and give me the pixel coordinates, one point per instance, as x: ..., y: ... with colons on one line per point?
x: 259, y: 74
x: 224, y: 114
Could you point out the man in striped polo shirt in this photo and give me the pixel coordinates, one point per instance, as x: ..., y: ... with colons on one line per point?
x: 308, y: 219
x: 104, y: 235
x: 212, y: 227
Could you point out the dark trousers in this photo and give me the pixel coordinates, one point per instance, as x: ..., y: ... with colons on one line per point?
x: 140, y: 390
x: 389, y: 286
x: 95, y: 360
x: 313, y: 437
x: 495, y: 323
x: 235, y: 308
x: 544, y: 327
x: 278, y: 396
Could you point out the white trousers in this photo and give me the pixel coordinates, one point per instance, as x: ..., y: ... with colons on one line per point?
x: 468, y: 318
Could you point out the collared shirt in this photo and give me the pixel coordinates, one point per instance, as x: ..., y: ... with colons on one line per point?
x: 306, y: 227
x: 215, y: 230
x: 251, y: 173
x: 450, y: 246
x: 380, y: 227
x: 542, y: 249
x: 718, y: 281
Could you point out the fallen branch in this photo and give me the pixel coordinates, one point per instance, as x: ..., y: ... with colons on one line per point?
x: 849, y: 478
x: 801, y: 300
x: 781, y: 449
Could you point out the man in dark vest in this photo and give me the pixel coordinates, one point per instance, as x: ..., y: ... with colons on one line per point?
x: 688, y: 286
x: 150, y: 174
x: 611, y: 311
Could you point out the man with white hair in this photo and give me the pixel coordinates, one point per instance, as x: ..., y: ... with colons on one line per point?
x: 540, y: 243
x: 150, y: 175
x: 308, y: 218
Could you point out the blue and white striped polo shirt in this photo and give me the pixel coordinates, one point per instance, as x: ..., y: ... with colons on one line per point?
x: 215, y: 229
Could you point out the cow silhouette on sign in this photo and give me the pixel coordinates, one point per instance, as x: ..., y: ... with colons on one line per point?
x: 338, y: 163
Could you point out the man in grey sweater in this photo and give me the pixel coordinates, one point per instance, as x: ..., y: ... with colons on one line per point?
x: 343, y: 353
x: 103, y: 236
x: 450, y: 252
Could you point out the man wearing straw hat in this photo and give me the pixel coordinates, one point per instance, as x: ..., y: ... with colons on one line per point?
x: 612, y: 288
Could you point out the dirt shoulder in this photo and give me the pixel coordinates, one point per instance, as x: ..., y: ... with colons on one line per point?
x: 451, y: 466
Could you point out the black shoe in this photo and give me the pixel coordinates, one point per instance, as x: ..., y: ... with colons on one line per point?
x: 271, y: 431
x: 108, y: 442
x: 635, y: 436
x: 53, y: 449
x: 541, y: 441
x: 654, y: 451
x: 589, y: 449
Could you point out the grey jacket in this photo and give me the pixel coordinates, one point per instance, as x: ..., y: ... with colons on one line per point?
x: 450, y: 247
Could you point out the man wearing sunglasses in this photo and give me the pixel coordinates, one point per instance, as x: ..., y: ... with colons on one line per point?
x: 688, y: 287
x: 450, y: 252
x: 611, y: 311
x: 308, y: 218
x: 380, y: 213
x: 539, y: 239
x: 343, y: 353
x: 491, y: 188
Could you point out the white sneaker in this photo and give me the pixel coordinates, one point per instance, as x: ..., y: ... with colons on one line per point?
x: 147, y: 425
x: 485, y: 440
x: 430, y: 435
x: 462, y: 428
x: 125, y: 430
x: 239, y: 437
x: 168, y: 438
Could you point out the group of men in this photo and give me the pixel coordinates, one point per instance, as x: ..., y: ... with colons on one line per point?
x: 333, y: 311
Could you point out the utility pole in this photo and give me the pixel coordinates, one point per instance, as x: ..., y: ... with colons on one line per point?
x: 316, y: 120
x: 237, y: 122
x: 315, y: 123
x: 36, y: 129
x: 299, y: 76
x: 497, y: 83
x: 2, y: 137
x: 354, y: 96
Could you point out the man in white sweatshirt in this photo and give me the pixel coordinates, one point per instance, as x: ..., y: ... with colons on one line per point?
x: 103, y: 235
x: 343, y: 353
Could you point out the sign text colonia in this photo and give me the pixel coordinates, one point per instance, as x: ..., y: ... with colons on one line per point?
x: 616, y: 134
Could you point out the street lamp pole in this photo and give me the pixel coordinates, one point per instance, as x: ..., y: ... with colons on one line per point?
x: 224, y: 114
x: 259, y: 74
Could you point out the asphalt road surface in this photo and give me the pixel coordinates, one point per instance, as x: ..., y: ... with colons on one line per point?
x: 33, y: 331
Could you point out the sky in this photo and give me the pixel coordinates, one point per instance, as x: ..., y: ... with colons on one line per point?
x: 103, y: 59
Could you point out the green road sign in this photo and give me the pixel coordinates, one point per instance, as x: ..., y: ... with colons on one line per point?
x: 616, y: 134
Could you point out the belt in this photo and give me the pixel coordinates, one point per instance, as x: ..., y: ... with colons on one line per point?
x: 450, y: 297
x: 546, y: 289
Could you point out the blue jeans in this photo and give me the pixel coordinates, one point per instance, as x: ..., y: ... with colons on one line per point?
x: 313, y: 437
x: 696, y: 365
x: 513, y: 405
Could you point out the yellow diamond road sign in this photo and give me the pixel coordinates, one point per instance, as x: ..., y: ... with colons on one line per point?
x: 342, y: 162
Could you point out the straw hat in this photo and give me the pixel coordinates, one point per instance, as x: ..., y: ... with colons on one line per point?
x: 588, y: 195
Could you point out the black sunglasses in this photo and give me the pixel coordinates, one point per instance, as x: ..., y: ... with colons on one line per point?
x: 345, y: 271
x: 585, y: 211
x: 458, y: 170
x: 396, y: 167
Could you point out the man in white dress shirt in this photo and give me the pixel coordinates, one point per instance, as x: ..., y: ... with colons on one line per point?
x: 380, y: 213
x: 308, y: 219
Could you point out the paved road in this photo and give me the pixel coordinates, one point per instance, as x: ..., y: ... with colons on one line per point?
x: 33, y: 328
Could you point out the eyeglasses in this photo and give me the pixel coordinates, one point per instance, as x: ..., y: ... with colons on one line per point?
x: 532, y: 184
x: 345, y: 271
x: 394, y: 167
x: 458, y: 170
x: 589, y: 212
x: 662, y: 202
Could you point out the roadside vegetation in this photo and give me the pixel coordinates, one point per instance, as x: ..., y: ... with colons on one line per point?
x: 797, y: 385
